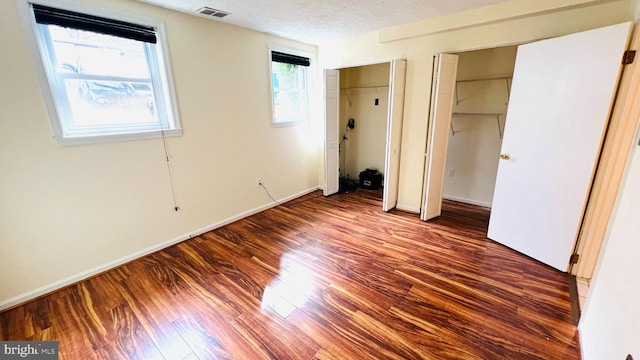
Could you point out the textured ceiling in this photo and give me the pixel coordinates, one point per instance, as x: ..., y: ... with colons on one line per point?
x: 318, y: 21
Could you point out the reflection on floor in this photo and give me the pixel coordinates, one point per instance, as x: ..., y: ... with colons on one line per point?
x: 316, y: 278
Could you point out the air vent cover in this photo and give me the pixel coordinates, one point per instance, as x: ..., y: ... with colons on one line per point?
x: 212, y: 12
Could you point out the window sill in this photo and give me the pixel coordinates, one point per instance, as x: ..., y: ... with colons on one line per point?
x: 99, y: 139
x: 288, y: 123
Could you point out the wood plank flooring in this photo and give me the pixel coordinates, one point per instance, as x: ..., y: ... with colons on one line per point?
x: 316, y: 278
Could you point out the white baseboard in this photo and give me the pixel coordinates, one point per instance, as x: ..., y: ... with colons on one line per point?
x: 466, y: 201
x: 585, y: 352
x: 43, y: 290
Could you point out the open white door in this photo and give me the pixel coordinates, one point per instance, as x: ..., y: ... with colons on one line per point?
x: 331, y: 141
x: 397, y: 76
x: 560, y: 101
x: 445, y: 67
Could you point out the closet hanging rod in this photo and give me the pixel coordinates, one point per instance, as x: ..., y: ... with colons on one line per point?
x: 475, y: 114
x: 365, y: 87
x: 486, y: 79
x: 461, y: 114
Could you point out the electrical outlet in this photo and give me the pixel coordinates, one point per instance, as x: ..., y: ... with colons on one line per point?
x: 451, y: 172
x: 259, y: 182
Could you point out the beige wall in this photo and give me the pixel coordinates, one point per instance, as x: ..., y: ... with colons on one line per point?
x: 472, y: 156
x: 359, y: 87
x: 66, y: 212
x: 512, y: 27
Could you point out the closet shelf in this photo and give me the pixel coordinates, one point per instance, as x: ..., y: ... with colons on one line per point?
x: 468, y: 114
x: 507, y: 80
x: 346, y: 90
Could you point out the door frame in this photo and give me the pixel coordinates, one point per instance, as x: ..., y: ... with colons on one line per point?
x: 614, y: 155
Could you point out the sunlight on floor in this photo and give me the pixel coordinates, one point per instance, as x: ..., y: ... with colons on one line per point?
x: 290, y: 290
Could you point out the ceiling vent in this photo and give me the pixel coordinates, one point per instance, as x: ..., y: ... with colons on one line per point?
x: 212, y: 12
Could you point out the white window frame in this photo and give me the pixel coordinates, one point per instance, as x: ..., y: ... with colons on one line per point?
x: 50, y: 85
x: 309, y: 81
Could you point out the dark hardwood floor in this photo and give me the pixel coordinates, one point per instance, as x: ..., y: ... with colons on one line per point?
x: 316, y: 278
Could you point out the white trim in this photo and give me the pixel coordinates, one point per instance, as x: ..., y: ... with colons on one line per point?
x: 46, y: 289
x: 169, y: 86
x: 466, y: 201
x: 86, y: 140
x: 407, y: 208
x: 488, y: 15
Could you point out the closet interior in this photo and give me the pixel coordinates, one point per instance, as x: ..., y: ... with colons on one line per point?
x: 364, y: 99
x: 483, y: 84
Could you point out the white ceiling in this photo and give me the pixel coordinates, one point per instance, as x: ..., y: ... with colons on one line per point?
x: 317, y: 21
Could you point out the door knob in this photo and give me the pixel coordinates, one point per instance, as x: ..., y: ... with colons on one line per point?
x: 505, y: 156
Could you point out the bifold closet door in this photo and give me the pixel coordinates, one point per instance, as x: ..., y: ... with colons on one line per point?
x: 445, y: 68
x: 331, y: 141
x: 397, y: 77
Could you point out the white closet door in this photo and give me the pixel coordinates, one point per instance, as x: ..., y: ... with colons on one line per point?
x: 560, y: 101
x: 445, y: 68
x: 394, y: 134
x: 331, y: 141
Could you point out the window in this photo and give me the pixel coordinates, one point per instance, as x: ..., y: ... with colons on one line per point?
x: 290, y: 87
x: 106, y: 77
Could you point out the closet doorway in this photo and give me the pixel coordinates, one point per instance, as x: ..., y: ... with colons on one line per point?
x: 472, y: 90
x: 364, y: 125
x: 364, y: 101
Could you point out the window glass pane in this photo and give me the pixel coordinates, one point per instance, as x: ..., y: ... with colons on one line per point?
x: 288, y: 75
x: 289, y: 92
x: 86, y: 52
x: 104, y: 103
x: 289, y: 105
